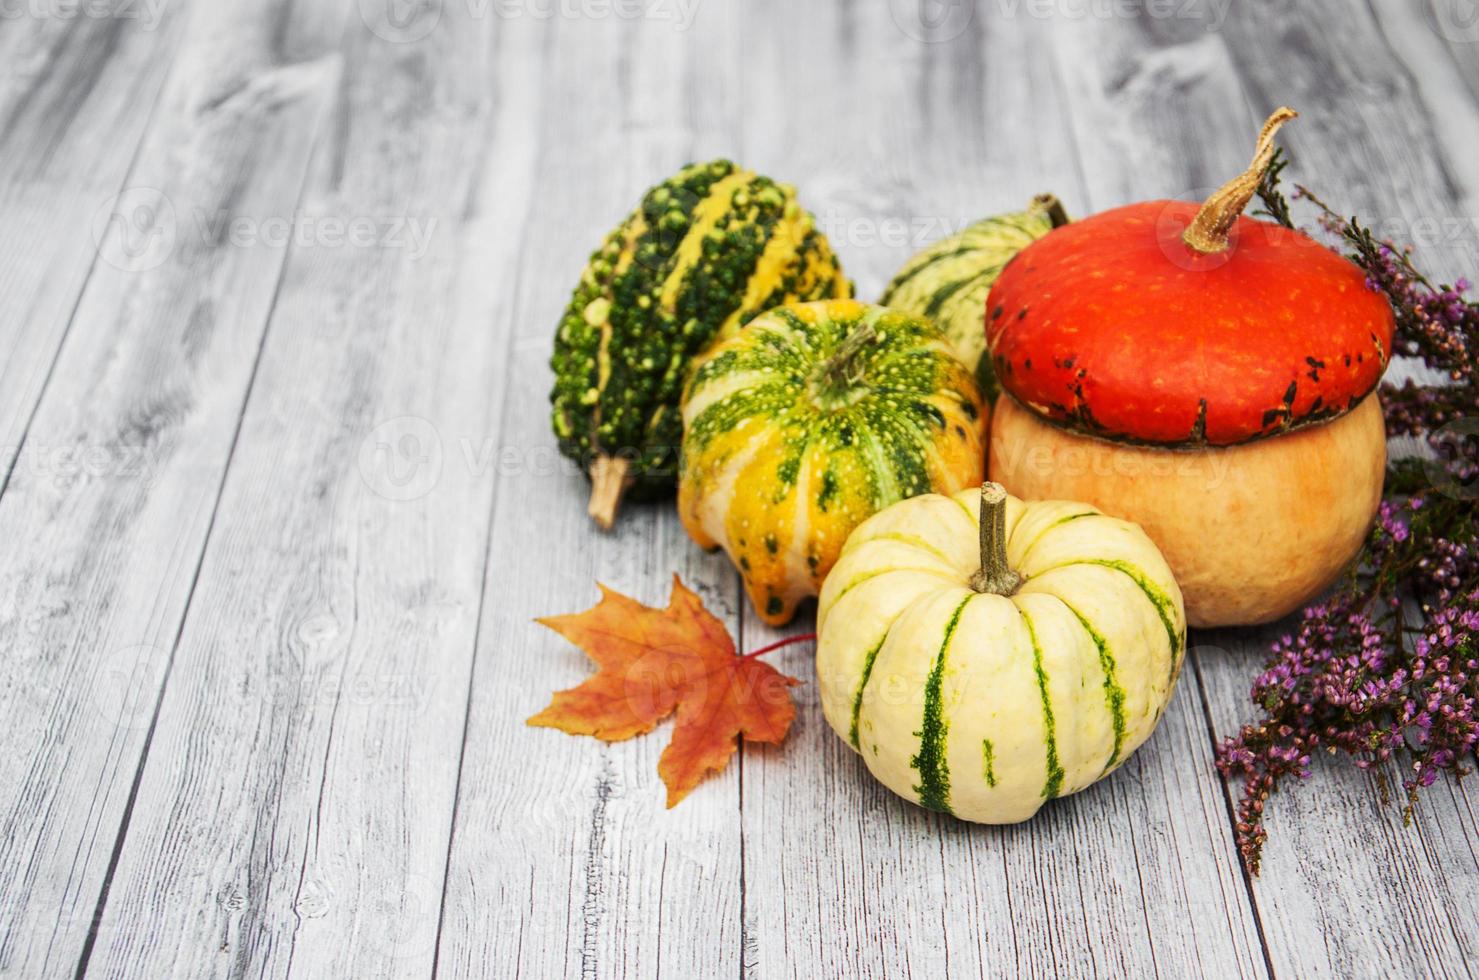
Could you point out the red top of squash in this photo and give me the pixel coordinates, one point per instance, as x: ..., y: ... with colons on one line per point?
x: 1117, y: 327
x: 1173, y: 324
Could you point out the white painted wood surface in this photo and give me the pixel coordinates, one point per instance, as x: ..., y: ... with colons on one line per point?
x: 277, y: 514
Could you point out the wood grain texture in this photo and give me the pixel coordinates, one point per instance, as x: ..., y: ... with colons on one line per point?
x: 109, y: 505
x: 67, y: 87
x: 1341, y: 874
x: 565, y: 862
x: 295, y: 820
x: 282, y: 510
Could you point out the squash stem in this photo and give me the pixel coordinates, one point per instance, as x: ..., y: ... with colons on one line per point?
x: 1208, y: 231
x: 1053, y: 208
x: 608, y: 483
x: 833, y: 384
x: 994, y: 575
x: 835, y: 369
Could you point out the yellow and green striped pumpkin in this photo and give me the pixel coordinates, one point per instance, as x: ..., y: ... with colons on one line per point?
x: 985, y: 662
x: 949, y: 281
x: 706, y: 251
x: 810, y: 420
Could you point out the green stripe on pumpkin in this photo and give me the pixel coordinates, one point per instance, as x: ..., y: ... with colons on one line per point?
x: 933, y: 767
x: 926, y: 260
x: 1114, y: 695
x: 857, y: 700
x: 1027, y: 552
x: 1162, y: 602
x: 943, y: 295
x: 860, y: 579
x: 988, y: 766
x: 1054, y: 782
x: 914, y: 541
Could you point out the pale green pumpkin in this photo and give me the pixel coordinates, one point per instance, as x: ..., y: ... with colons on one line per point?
x: 986, y: 686
x: 948, y: 282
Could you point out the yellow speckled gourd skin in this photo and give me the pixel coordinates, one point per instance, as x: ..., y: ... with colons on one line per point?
x: 786, y: 448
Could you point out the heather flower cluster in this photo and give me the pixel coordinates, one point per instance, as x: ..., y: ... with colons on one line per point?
x: 1388, y: 667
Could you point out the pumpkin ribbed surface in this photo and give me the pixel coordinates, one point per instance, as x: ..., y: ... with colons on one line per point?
x: 986, y: 705
x: 949, y: 281
x: 811, y: 419
x: 705, y: 252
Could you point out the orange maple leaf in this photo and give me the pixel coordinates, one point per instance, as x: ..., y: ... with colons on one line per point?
x: 653, y: 661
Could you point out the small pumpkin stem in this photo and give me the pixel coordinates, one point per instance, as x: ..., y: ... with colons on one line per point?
x: 1053, y: 207
x: 608, y: 482
x: 994, y: 575
x: 835, y: 368
x: 1208, y: 231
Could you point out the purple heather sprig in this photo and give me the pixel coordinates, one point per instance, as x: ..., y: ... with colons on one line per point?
x: 1388, y: 666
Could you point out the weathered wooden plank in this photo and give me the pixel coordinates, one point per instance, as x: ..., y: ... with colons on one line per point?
x: 1346, y: 889
x: 111, y: 499
x: 1439, y: 53
x: 1135, y: 876
x: 75, y: 96
x: 296, y: 819
x: 572, y: 866
x: 1367, y: 141
x: 1182, y: 122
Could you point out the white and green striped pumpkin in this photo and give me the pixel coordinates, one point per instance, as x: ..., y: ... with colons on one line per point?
x: 810, y: 420
x: 985, y: 661
x: 949, y: 281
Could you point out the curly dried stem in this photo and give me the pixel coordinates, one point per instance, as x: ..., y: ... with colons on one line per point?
x: 1208, y: 231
